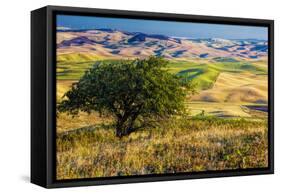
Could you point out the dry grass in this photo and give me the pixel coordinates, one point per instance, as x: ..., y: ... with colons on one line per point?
x: 62, y: 87
x: 224, y: 109
x: 66, y: 122
x: 236, y: 87
x: 177, y: 145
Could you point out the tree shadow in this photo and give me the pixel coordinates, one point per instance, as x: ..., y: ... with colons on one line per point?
x: 107, y: 126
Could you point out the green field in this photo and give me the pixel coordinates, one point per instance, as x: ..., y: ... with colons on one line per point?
x: 202, y: 73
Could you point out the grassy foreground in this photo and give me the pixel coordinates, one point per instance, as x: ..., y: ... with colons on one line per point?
x: 177, y: 145
x: 228, y: 136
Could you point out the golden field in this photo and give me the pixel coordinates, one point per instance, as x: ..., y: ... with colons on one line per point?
x: 178, y: 145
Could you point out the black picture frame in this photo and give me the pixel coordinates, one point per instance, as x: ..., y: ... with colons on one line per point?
x: 43, y: 95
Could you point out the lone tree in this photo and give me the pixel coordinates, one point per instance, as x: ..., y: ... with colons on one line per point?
x: 135, y: 92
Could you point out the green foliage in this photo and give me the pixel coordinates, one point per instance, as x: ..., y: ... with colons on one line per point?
x: 136, y: 93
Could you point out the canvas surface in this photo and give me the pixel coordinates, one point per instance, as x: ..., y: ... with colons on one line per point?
x: 220, y: 124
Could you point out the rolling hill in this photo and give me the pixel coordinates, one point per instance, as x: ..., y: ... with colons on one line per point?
x: 229, y: 75
x: 114, y: 44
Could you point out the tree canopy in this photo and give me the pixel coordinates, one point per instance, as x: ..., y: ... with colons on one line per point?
x: 135, y: 92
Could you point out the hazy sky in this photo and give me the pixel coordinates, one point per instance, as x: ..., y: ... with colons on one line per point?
x: 170, y: 28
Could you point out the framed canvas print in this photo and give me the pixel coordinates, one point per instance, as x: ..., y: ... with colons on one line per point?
x: 125, y: 96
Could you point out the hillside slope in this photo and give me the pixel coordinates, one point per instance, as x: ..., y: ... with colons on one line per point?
x: 101, y: 43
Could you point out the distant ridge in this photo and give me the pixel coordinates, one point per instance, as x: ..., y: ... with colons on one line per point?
x: 106, y: 42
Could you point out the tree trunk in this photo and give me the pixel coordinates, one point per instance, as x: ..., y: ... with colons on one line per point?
x: 125, y: 125
x: 119, y: 129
